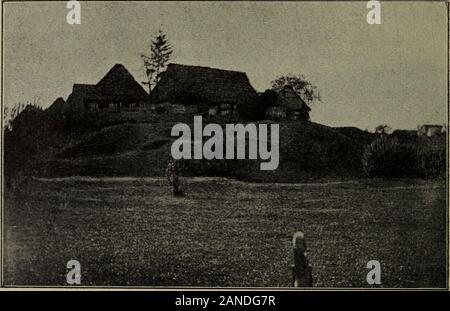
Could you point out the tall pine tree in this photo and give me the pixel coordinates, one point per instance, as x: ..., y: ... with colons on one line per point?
x: 155, y: 63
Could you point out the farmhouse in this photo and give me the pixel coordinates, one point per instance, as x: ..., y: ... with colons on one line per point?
x: 430, y: 130
x: 290, y: 106
x: 208, y: 90
x: 117, y: 91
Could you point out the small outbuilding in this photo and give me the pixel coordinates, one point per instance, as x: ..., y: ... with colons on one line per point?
x: 290, y: 106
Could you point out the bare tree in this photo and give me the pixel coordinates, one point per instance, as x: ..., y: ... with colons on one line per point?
x: 10, y: 113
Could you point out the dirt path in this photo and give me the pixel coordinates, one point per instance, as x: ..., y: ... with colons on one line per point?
x: 365, y: 184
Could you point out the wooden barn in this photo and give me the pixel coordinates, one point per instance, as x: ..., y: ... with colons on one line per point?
x: 290, y: 106
x: 117, y: 91
x: 207, y: 90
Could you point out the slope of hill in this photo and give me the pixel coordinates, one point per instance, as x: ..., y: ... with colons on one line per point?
x: 310, y: 151
x: 307, y: 150
x: 356, y: 134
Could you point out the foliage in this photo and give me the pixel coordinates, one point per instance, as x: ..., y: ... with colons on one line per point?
x: 387, y: 157
x: 24, y: 137
x: 10, y: 113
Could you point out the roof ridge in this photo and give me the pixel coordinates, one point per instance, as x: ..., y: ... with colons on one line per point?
x: 114, y: 68
x: 205, y: 67
x: 84, y: 84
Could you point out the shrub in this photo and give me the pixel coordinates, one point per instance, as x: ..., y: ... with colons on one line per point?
x: 377, y: 157
x: 431, y: 161
x: 387, y: 157
x: 26, y: 135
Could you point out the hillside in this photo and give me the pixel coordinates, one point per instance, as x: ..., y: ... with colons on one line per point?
x: 307, y: 150
x: 356, y: 134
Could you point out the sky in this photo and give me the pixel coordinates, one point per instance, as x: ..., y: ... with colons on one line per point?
x: 394, y: 73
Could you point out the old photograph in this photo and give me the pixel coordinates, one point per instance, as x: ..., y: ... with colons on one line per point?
x: 216, y: 144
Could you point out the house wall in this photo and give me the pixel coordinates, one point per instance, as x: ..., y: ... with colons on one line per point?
x: 277, y: 113
x: 299, y: 115
x: 281, y: 113
x: 432, y: 131
x: 106, y: 107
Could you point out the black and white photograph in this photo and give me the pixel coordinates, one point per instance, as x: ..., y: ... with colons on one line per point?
x: 224, y: 144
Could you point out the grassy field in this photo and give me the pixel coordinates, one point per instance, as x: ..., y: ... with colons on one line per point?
x: 224, y: 233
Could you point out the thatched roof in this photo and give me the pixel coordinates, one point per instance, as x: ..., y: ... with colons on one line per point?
x: 75, y: 101
x: 119, y: 83
x: 289, y: 98
x: 84, y: 89
x: 58, y: 105
x: 184, y: 83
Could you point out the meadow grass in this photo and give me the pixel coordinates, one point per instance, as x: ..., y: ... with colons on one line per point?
x: 132, y: 231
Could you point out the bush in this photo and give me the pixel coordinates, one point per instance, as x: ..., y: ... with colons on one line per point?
x: 431, y: 161
x: 27, y: 135
x: 387, y: 157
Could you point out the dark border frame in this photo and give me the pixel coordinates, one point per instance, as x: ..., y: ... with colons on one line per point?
x: 161, y: 288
